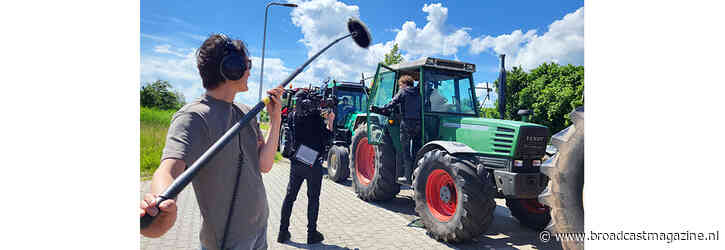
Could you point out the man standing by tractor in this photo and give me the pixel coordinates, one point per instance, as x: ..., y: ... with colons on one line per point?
x: 311, y: 135
x: 408, y: 101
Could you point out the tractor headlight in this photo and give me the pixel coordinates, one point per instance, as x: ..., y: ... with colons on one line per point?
x: 518, y: 163
x: 536, y: 163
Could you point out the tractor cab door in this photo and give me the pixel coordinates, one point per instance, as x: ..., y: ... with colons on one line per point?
x: 382, y: 91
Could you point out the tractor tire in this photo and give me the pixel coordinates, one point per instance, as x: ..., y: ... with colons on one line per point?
x: 530, y: 213
x: 337, y: 163
x: 565, y: 170
x: 282, y: 139
x: 453, y: 202
x: 372, y: 167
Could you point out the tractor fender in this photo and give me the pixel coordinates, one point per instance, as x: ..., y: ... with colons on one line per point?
x: 451, y: 147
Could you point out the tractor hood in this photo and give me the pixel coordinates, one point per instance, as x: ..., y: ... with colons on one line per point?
x: 496, y: 137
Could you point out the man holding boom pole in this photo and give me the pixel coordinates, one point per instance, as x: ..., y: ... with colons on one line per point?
x: 230, y: 193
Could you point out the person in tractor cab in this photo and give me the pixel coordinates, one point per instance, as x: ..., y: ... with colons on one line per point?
x: 345, y: 108
x: 408, y: 101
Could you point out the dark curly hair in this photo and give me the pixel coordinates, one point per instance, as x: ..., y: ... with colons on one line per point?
x: 407, y: 80
x: 210, y: 55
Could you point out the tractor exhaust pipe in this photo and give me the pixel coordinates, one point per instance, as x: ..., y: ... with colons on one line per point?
x: 502, y: 87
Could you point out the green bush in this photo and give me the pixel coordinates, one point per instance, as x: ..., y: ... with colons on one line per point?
x: 158, y: 94
x: 551, y: 91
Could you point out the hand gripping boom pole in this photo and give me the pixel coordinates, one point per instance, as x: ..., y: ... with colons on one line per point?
x: 360, y: 35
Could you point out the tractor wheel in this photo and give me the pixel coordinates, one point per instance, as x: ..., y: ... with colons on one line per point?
x: 452, y: 201
x: 337, y: 163
x: 282, y: 139
x: 566, y: 180
x: 372, y: 167
x: 530, y: 213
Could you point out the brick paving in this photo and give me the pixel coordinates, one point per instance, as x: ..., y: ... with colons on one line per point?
x: 346, y: 221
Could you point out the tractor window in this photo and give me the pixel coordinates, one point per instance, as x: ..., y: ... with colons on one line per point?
x: 384, y: 92
x: 448, y: 92
x: 349, y: 102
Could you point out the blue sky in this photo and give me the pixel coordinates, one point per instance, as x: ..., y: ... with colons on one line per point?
x: 528, y: 32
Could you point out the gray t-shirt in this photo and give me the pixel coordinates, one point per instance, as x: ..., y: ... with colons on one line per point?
x: 194, y: 128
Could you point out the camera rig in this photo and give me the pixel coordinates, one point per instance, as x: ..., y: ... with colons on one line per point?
x: 303, y: 102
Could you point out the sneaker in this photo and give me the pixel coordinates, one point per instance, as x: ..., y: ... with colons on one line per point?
x: 283, y: 236
x: 314, y: 237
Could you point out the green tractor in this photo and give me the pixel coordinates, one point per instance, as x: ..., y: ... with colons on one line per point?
x: 464, y: 161
x: 352, y: 100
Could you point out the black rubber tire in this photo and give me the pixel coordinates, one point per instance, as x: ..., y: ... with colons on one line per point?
x: 337, y: 163
x: 536, y: 221
x: 566, y: 180
x: 382, y: 186
x: 475, y: 205
x: 282, y: 136
x: 279, y: 141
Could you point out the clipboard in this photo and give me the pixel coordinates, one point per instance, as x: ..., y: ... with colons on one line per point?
x: 306, y: 155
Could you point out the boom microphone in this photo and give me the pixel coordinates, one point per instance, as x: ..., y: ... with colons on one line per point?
x: 360, y: 35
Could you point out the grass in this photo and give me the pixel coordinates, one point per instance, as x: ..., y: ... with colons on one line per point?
x: 154, y: 125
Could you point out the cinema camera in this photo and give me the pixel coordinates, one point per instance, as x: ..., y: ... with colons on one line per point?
x: 313, y: 100
x: 316, y: 98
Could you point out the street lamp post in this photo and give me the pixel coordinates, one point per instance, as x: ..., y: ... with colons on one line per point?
x: 264, y: 41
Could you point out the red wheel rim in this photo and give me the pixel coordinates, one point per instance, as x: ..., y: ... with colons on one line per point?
x: 364, y: 162
x: 533, y: 206
x: 441, y: 195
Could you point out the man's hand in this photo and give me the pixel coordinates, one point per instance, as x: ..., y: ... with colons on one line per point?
x: 163, y: 221
x: 275, y: 105
x: 330, y: 120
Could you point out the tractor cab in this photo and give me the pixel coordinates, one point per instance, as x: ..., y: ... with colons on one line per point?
x: 447, y: 90
x: 351, y: 98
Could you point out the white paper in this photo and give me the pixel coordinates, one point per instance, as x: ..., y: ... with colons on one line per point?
x: 306, y: 155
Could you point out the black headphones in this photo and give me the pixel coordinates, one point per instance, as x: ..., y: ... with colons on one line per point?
x: 233, y: 64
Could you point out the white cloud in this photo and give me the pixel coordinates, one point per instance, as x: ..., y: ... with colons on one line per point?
x: 199, y: 38
x: 563, y: 43
x: 170, y: 64
x: 166, y: 49
x: 179, y: 69
x: 321, y: 22
x: 504, y: 44
x: 432, y: 39
x: 155, y: 38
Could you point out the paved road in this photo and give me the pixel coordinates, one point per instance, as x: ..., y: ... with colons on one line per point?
x: 347, y: 222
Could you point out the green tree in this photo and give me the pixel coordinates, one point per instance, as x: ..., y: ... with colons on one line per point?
x: 550, y: 91
x: 158, y: 94
x: 393, y: 56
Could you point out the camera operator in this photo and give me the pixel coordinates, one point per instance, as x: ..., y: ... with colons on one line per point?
x: 311, y: 135
x: 408, y: 101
